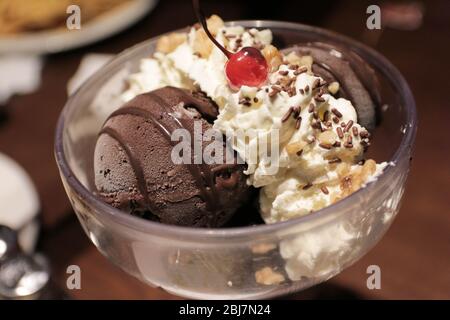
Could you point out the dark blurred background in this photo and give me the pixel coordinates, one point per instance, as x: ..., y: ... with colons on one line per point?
x: 414, y: 256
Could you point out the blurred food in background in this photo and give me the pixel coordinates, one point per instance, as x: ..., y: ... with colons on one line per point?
x: 22, y: 16
x: 49, y: 26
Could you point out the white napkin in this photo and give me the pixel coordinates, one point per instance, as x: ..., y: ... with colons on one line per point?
x: 19, y: 74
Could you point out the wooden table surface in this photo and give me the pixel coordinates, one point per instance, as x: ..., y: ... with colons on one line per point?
x: 414, y: 255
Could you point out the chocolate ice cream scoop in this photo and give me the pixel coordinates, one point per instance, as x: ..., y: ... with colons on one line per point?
x: 357, y: 80
x: 134, y: 170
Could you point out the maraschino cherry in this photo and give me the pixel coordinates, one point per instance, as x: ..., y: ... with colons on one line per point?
x: 247, y: 67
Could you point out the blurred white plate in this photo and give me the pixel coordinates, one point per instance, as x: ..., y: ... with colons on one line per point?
x: 97, y: 29
x: 19, y: 202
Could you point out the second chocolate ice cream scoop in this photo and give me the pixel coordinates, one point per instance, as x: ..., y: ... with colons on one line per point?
x: 357, y: 79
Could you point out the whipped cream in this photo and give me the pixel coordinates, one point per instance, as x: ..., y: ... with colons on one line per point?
x: 155, y: 73
x: 292, y: 196
x: 320, y: 253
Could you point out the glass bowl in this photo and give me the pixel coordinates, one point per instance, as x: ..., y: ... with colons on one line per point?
x: 251, y: 262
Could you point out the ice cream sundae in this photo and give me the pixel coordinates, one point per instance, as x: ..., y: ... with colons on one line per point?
x: 234, y: 160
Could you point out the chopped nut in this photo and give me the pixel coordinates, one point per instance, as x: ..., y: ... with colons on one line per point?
x: 262, y: 248
x: 310, y: 139
x: 170, y: 42
x: 306, y: 61
x: 335, y: 197
x: 327, y: 137
x: 267, y: 276
x: 285, y: 81
x: 202, y: 44
x: 352, y: 181
x: 333, y: 87
x: 368, y: 169
x: 273, y: 57
x: 343, y: 169
x: 293, y: 59
x: 295, y: 147
x: 214, y: 24
x: 323, y: 114
x: 318, y: 204
x: 346, y: 183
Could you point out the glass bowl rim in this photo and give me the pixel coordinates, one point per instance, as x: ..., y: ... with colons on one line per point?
x: 164, y: 230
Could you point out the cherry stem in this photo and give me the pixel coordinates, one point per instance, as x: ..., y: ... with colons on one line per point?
x: 201, y: 18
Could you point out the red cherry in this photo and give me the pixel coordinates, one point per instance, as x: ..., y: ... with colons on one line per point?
x: 247, y: 67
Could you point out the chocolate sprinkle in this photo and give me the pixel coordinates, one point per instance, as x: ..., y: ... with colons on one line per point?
x: 287, y: 114
x: 348, y: 145
x: 319, y: 98
x: 348, y: 125
x: 349, y: 139
x: 364, y: 134
x: 275, y: 91
x: 316, y: 125
x: 339, y: 132
x: 291, y: 91
x: 315, y: 115
x: 336, y: 112
x: 307, y: 186
x: 298, y: 123
x: 315, y: 83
